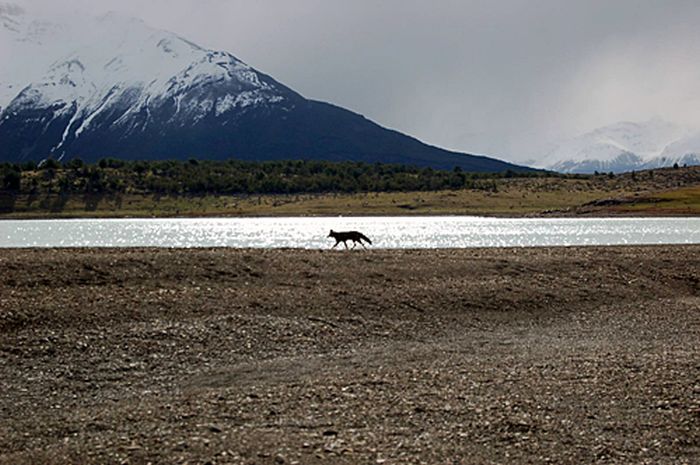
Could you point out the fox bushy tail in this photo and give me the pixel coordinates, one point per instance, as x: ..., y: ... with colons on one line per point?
x: 363, y: 237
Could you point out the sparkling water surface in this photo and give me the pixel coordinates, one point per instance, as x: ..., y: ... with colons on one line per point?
x: 312, y: 232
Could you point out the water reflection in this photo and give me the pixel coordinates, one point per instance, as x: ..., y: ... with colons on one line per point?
x: 385, y: 232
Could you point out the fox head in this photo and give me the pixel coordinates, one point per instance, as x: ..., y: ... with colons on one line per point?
x: 331, y: 234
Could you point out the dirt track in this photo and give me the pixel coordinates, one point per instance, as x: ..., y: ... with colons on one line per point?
x: 561, y: 355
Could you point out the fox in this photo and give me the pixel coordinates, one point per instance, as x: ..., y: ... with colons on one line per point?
x: 345, y: 236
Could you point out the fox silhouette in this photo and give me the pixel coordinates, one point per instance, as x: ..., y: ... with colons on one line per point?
x: 354, y: 236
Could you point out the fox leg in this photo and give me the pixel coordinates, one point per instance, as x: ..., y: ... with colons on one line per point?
x: 345, y: 242
x: 336, y: 243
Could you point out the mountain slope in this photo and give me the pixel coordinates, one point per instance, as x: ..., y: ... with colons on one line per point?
x: 118, y: 88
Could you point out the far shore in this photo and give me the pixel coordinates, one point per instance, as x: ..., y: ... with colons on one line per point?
x: 557, y: 215
x: 663, y: 192
x: 515, y: 203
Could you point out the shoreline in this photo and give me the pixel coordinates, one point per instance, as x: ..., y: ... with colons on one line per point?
x: 670, y: 192
x: 330, y: 248
x: 606, y: 215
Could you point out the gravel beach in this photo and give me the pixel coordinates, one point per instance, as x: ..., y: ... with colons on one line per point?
x: 540, y: 355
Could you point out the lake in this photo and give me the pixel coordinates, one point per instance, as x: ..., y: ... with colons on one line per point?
x: 385, y: 232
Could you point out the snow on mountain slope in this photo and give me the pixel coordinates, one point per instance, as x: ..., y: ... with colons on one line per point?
x: 685, y: 151
x: 27, y: 48
x: 120, y: 66
x: 619, y: 147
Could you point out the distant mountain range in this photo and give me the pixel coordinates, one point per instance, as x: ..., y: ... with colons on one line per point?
x: 115, y: 87
x: 626, y: 146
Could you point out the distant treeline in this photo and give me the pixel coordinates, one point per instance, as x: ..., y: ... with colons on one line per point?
x: 196, y: 177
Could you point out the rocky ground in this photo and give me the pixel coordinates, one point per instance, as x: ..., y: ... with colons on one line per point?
x: 549, y: 355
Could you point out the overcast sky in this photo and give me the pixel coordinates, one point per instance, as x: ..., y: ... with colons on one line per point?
x: 506, y: 78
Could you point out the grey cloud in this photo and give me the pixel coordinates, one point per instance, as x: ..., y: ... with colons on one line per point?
x: 11, y: 9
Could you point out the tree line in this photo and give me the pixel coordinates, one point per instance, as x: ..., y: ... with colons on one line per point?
x: 197, y: 177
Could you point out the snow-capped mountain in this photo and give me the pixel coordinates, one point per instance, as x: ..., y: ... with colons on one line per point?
x: 626, y: 146
x: 684, y: 151
x: 113, y: 86
x: 116, y: 73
